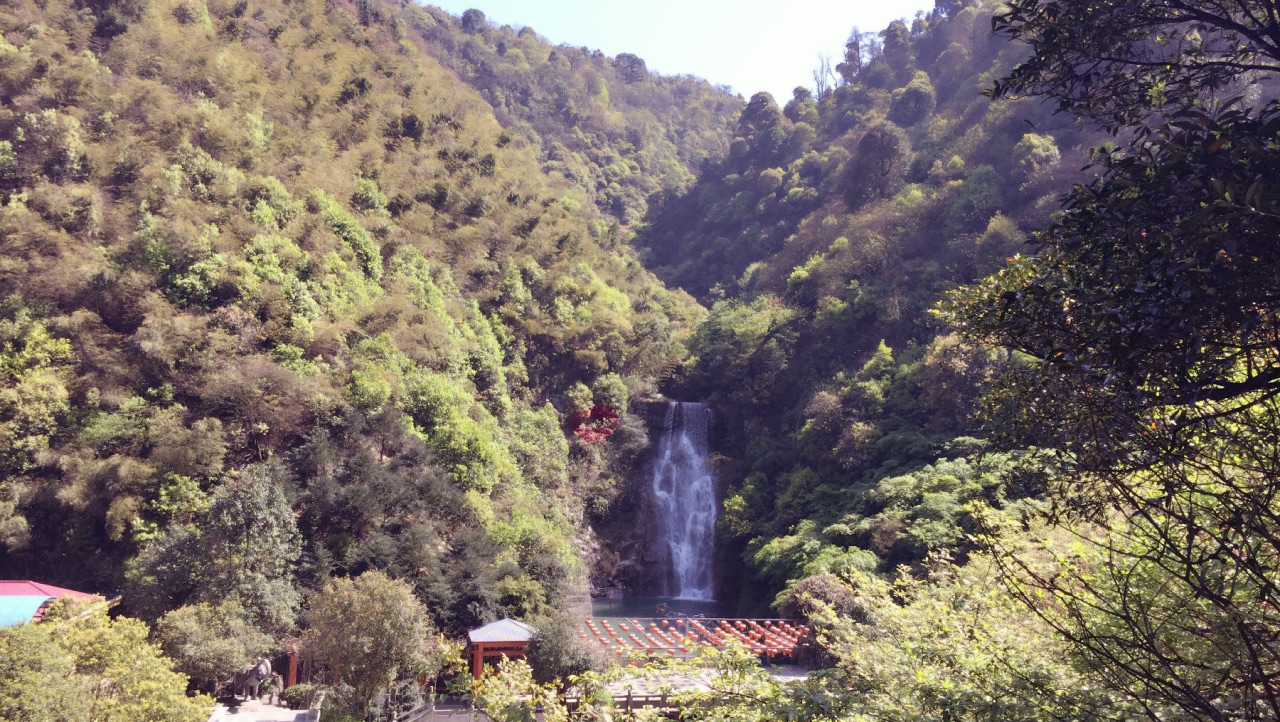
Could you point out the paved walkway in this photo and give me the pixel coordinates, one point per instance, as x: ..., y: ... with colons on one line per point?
x: 255, y: 711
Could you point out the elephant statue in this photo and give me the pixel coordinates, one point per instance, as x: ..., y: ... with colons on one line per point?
x: 252, y: 678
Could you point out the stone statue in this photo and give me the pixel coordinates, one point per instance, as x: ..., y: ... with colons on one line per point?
x: 252, y: 678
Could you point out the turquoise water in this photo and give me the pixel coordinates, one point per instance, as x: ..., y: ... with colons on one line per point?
x: 648, y: 607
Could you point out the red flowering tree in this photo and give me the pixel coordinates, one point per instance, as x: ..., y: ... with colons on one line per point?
x: 593, y: 425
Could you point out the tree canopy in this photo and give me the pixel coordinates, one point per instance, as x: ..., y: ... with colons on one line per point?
x: 78, y: 663
x: 1145, y: 332
x: 369, y: 630
x: 1118, y: 62
x: 1149, y: 301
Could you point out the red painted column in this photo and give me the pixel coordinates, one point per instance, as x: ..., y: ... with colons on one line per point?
x: 293, y: 669
x: 477, y: 661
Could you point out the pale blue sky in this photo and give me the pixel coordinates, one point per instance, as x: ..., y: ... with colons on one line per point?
x: 751, y: 45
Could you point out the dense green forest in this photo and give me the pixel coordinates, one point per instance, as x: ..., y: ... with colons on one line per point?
x: 321, y: 323
x: 271, y: 257
x: 608, y: 125
x: 821, y: 243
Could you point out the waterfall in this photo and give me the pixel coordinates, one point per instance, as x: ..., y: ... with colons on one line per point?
x: 685, y: 500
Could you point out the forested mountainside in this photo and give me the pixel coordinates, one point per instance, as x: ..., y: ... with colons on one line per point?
x: 609, y: 125
x: 1106, y: 549
x: 822, y: 242
x: 282, y: 300
x: 320, y: 322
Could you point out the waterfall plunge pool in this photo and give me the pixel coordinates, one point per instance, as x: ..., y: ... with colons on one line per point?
x: 649, y: 607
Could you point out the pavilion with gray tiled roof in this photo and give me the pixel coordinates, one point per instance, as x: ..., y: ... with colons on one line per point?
x: 503, y: 638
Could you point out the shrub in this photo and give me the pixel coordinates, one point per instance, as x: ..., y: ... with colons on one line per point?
x: 299, y: 696
x: 368, y: 197
x: 556, y: 652
x: 209, y: 642
x: 1033, y: 153
x: 346, y: 227
x: 913, y: 103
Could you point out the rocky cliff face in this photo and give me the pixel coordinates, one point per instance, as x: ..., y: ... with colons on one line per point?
x: 623, y: 558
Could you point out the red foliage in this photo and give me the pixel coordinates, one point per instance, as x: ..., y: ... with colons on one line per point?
x: 593, y: 425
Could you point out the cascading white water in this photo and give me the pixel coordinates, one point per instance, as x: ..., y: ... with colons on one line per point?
x: 685, y: 500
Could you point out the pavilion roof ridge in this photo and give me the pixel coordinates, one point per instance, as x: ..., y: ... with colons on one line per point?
x: 503, y: 630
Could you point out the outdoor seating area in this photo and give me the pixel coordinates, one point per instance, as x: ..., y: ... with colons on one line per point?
x: 682, y: 637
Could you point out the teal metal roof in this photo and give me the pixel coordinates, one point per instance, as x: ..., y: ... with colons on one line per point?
x: 20, y: 609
